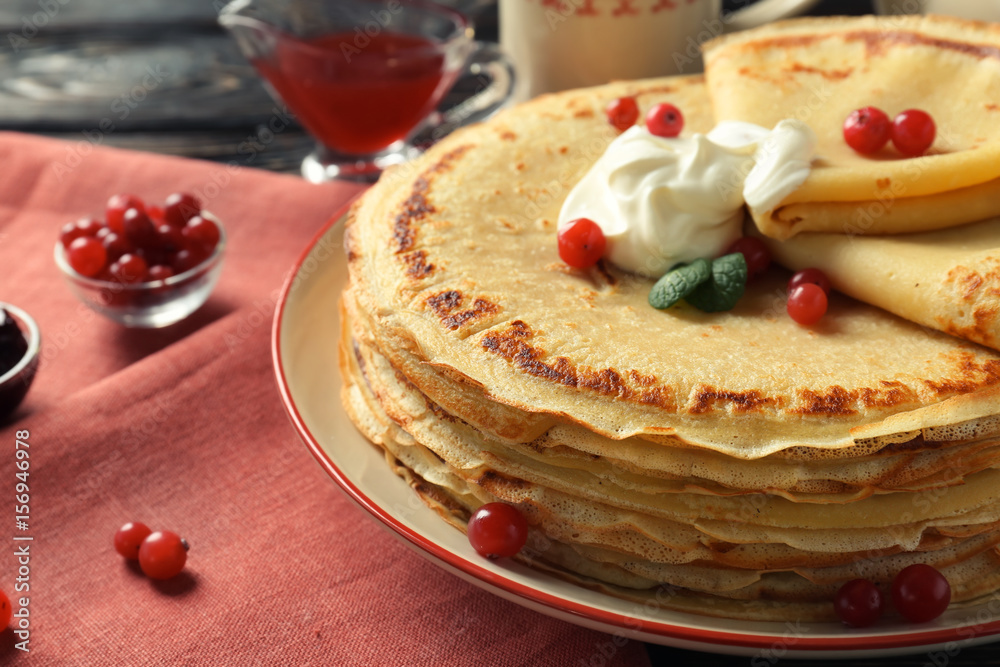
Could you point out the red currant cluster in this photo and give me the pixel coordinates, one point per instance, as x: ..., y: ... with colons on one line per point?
x: 138, y: 244
x: 497, y: 530
x: 868, y: 129
x: 161, y: 555
x: 919, y: 593
x: 663, y: 120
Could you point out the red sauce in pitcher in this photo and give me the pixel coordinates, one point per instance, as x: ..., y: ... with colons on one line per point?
x: 358, y: 94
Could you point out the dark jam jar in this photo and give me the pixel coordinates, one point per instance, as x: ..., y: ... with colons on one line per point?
x: 16, y: 373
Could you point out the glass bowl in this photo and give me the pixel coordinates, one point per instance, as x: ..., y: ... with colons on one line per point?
x: 153, y: 304
x: 15, y: 382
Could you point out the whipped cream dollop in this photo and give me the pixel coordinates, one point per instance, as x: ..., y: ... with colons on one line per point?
x: 663, y: 201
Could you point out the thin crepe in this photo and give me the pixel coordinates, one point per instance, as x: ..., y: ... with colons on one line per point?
x: 819, y: 70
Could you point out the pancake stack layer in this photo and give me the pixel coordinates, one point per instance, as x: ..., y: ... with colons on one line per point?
x: 732, y: 464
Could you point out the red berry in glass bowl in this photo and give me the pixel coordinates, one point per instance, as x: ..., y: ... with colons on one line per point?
x: 807, y: 303
x: 170, y: 238
x: 162, y: 554
x: 665, y: 120
x: 920, y: 593
x: 858, y: 603
x: 6, y: 611
x: 497, y: 530
x: 72, y: 231
x: 129, y: 269
x: 814, y: 276
x: 866, y: 130
x: 87, y: 256
x: 129, y: 538
x: 179, y: 208
x: 139, y: 229
x: 913, y: 132
x: 114, y: 212
x: 581, y: 243
x: 756, y: 254
x: 115, y: 245
x: 201, y: 231
x: 622, y: 113
x: 160, y: 272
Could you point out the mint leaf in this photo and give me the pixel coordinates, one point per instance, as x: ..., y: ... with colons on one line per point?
x: 726, y: 286
x: 679, y: 282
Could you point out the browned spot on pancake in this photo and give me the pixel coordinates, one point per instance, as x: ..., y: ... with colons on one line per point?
x: 980, y: 331
x: 832, y: 74
x: 507, y: 135
x: 656, y: 90
x: 721, y: 547
x: 563, y: 150
x: 836, y: 401
x: 991, y: 106
x: 511, y: 344
x: 440, y: 412
x: 349, y: 245
x: 417, y: 265
x: 602, y: 270
x: 519, y: 166
x: 892, y: 393
x: 416, y: 207
x: 446, y: 306
x: 969, y: 377
x: 491, y: 479
x: 883, y: 183
x: 583, y: 113
x: 876, y: 42
x: 742, y: 401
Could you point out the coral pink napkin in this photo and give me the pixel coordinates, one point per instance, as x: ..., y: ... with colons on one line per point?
x: 182, y: 428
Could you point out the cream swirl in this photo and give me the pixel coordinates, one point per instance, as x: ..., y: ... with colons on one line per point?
x: 664, y: 201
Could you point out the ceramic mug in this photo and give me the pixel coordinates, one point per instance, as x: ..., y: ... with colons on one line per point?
x: 562, y: 44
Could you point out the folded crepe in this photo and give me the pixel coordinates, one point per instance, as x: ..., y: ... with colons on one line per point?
x: 819, y: 70
x: 948, y: 279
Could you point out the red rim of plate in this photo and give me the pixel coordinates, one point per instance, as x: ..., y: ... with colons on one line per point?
x: 627, y: 623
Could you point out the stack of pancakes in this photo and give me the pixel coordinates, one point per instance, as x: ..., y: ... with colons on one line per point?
x: 697, y: 460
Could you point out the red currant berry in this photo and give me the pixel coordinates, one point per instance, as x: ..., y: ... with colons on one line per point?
x: 913, y: 132
x: 129, y: 537
x: 807, y: 304
x: 186, y: 259
x: 201, y: 231
x: 163, y: 554
x: 581, y: 243
x: 114, y: 213
x: 622, y: 113
x: 497, y: 530
x: 866, y: 130
x: 72, y: 231
x: 814, y: 276
x: 665, y: 120
x: 116, y: 246
x: 160, y: 272
x: 139, y: 229
x: 858, y: 603
x: 756, y: 254
x: 920, y: 593
x: 129, y: 269
x: 179, y: 208
x: 6, y: 611
x: 87, y: 256
x: 170, y: 238
x: 155, y: 214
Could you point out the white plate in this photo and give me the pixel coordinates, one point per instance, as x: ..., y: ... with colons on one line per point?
x: 304, y: 348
